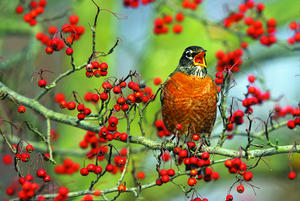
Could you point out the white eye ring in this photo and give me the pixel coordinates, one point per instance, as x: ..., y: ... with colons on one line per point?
x: 188, y: 54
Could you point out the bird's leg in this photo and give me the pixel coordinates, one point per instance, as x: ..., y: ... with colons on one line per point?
x: 205, y: 139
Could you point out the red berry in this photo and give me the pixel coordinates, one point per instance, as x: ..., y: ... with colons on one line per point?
x: 240, y: 189
x: 293, y: 25
x: 141, y: 175
x: 98, y: 170
x: 84, y: 171
x: 251, y: 78
x: 248, y: 176
x: 7, y: 159
x: 228, y: 163
x: 103, y: 96
x: 291, y: 124
x: 117, y: 89
x: 49, y: 50
x: 205, y: 155
x: 171, y: 172
x: 179, y: 17
x: 42, y: 83
x: 41, y: 173
x: 183, y: 153
x: 178, y: 127
x: 292, y: 175
x: 165, y: 178
x: 59, y: 97
x: 122, y: 188
x: 192, y: 181
x: 71, y: 105
x: 63, y: 191
x: 157, y: 81
x: 177, y: 28
x: 25, y: 157
x: 250, y: 3
x: 260, y: 7
x: 103, y: 66
x: 69, y: 51
x: 19, y: 9
x: 29, y: 148
x: 193, y: 172
x: 91, y: 167
x: 52, y: 30
x: 215, y: 175
x: 248, y: 20
x: 80, y: 116
x: 21, y: 109
x: 113, y: 120
x: 229, y: 198
x: 158, y: 22
x: 271, y: 22
x: 196, y: 137
x: 73, y: 19
x: 244, y: 45
x: 163, y: 172
x: 10, y: 191
x: 123, y: 136
x: 168, y: 19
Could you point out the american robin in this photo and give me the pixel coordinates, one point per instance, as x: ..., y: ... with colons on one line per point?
x: 189, y: 95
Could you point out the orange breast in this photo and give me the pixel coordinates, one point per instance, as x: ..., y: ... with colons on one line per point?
x: 190, y: 101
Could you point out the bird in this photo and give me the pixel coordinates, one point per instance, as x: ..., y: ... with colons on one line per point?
x: 189, y: 95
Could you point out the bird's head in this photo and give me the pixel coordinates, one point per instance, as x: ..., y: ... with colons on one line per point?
x: 193, y: 61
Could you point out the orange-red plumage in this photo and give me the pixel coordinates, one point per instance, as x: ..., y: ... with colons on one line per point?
x: 191, y: 101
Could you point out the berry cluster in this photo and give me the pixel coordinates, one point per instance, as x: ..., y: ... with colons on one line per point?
x: 136, y: 3
x: 164, y: 176
x: 236, y: 17
x: 68, y: 167
x: 96, y: 69
x: 231, y: 61
x: 54, y: 43
x: 198, y: 165
x: 255, y: 27
x: 35, y: 9
x: 30, y: 188
x: 90, y: 168
x: 270, y: 38
x: 282, y: 112
x: 161, y: 129
x: 237, y: 166
x: 83, y: 111
x: 188, y: 4
x: 219, y: 78
x: 160, y: 24
x: 62, y: 194
x: 235, y: 119
x: 25, y: 156
x: 295, y: 27
x: 43, y: 174
x: 254, y: 96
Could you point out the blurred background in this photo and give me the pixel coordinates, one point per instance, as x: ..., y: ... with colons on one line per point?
x: 21, y: 54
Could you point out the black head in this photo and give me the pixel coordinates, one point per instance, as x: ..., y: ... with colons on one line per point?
x: 193, y: 61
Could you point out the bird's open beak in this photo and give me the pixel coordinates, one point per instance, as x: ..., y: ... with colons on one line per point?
x: 199, y: 59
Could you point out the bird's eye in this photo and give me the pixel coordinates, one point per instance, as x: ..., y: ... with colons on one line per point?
x: 189, y: 54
